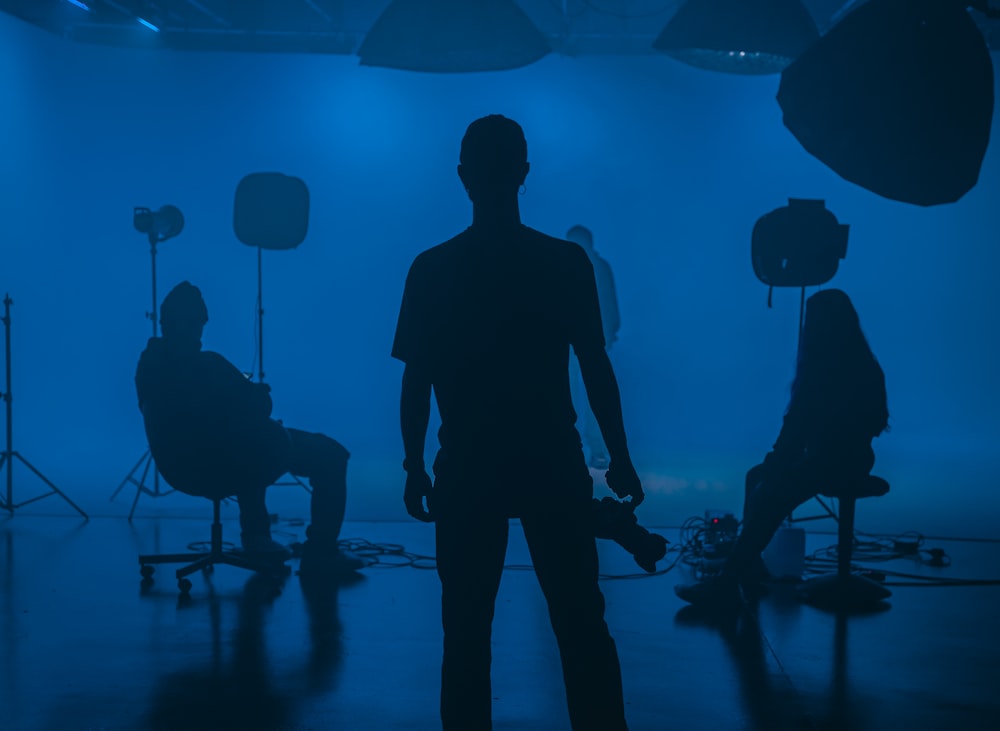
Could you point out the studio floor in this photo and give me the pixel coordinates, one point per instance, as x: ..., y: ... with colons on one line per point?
x: 83, y: 646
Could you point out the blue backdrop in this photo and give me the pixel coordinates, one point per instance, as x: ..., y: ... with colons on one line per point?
x: 669, y: 166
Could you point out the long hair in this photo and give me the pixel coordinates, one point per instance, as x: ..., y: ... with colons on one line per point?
x: 836, y: 368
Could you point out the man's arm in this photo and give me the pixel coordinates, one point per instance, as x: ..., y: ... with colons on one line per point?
x: 414, y: 417
x: 605, y: 401
x: 609, y: 304
x: 243, y: 399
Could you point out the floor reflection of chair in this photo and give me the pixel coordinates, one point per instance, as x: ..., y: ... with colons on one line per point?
x: 220, y: 693
x: 243, y: 690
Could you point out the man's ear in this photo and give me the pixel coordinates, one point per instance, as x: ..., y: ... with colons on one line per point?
x: 461, y: 176
x: 527, y: 169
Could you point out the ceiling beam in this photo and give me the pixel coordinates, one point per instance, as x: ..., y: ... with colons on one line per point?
x: 319, y: 11
x: 209, y: 13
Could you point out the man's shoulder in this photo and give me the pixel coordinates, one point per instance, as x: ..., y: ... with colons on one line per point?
x: 441, y: 252
x: 528, y: 242
x: 430, y: 263
x: 555, y: 247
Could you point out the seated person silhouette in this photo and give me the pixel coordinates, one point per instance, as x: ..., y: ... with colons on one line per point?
x: 209, y: 424
x: 837, y: 406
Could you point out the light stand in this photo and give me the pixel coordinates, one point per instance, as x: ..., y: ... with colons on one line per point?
x: 295, y: 480
x: 799, y: 245
x: 271, y: 211
x: 9, y: 454
x: 158, y: 227
x: 146, y: 462
x: 260, y: 315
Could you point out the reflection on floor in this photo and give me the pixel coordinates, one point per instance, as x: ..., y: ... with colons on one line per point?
x: 83, y: 647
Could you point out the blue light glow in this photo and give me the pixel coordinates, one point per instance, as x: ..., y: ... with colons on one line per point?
x: 148, y: 24
x: 82, y: 6
x: 703, y: 364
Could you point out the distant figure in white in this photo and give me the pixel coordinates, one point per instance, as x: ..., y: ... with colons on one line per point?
x: 593, y: 442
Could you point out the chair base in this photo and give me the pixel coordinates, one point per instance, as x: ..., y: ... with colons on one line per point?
x: 837, y: 591
x: 206, y: 562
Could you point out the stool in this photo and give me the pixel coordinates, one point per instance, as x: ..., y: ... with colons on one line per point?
x: 845, y: 590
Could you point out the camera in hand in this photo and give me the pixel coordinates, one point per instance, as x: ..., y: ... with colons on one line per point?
x: 617, y: 522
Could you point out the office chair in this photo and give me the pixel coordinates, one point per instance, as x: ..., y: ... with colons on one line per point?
x: 206, y: 560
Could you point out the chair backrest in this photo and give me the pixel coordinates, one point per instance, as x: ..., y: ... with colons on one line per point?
x: 202, y: 428
x: 198, y: 469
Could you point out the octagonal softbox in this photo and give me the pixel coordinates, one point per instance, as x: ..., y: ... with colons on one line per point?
x: 897, y: 98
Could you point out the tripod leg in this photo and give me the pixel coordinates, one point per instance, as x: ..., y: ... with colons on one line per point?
x: 6, y: 504
x: 52, y: 486
x: 296, y: 480
x: 128, y: 477
x: 303, y: 485
x: 142, y: 481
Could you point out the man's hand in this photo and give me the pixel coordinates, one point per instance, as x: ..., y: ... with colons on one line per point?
x: 418, y: 488
x: 624, y: 482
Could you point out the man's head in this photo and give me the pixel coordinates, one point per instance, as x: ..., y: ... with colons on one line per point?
x: 581, y: 235
x: 494, y: 158
x: 183, y: 313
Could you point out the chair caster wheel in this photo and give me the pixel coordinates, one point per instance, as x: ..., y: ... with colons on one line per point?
x: 147, y: 571
x: 184, y: 585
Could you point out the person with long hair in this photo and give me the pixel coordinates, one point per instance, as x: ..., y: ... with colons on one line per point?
x: 837, y: 407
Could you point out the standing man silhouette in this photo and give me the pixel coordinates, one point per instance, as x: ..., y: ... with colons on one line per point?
x: 487, y: 321
x: 597, y: 453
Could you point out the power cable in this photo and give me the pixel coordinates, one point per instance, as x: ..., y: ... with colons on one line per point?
x: 691, y: 551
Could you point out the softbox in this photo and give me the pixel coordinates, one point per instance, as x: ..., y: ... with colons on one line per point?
x: 271, y: 211
x: 897, y: 98
x: 738, y: 36
x: 798, y: 245
x: 453, y: 36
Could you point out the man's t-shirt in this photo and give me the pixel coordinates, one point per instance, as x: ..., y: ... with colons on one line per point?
x: 490, y: 316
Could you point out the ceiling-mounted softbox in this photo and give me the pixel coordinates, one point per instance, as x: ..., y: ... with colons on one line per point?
x: 738, y: 36
x: 271, y: 211
x: 453, y: 36
x: 897, y: 98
